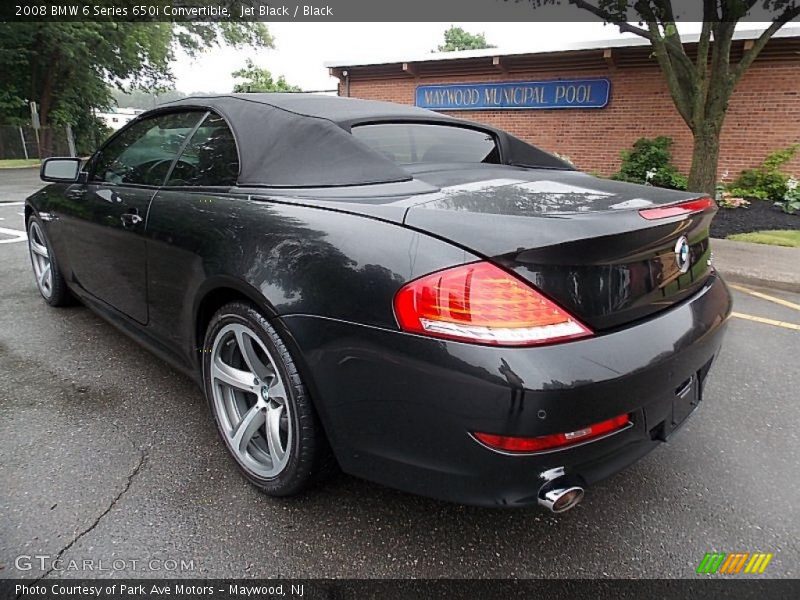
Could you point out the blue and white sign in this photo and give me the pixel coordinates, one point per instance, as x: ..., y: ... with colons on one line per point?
x: 517, y: 95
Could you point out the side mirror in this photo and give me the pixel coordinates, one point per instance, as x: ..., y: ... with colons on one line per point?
x: 60, y: 170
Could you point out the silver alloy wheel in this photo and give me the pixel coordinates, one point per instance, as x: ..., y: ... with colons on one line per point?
x: 250, y: 400
x: 40, y: 258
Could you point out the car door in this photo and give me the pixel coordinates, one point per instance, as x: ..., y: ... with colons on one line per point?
x: 184, y: 219
x: 104, y: 219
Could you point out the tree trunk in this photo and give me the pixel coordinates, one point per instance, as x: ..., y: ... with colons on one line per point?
x: 45, y: 105
x: 45, y: 133
x: 705, y: 159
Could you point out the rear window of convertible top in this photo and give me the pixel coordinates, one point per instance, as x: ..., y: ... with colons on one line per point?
x: 416, y: 143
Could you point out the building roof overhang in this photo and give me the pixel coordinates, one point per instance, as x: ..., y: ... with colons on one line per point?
x: 622, y: 51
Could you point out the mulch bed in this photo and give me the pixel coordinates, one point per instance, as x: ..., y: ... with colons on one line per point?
x: 761, y: 215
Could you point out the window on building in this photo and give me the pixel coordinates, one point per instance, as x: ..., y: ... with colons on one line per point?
x: 413, y: 143
x: 210, y: 158
x: 143, y: 152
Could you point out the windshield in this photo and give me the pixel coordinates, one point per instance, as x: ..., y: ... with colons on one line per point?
x: 414, y: 143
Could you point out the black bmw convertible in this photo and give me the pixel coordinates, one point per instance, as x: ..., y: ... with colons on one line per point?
x: 425, y: 302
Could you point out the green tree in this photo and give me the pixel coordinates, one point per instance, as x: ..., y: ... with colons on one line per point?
x: 67, y: 67
x: 456, y: 38
x: 258, y: 79
x: 701, y: 85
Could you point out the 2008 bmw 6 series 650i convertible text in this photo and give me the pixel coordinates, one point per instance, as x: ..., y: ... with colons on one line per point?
x: 429, y: 303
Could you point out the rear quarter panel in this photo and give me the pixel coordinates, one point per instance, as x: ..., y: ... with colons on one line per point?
x: 290, y: 258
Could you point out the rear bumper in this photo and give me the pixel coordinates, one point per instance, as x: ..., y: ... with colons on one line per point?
x: 399, y: 408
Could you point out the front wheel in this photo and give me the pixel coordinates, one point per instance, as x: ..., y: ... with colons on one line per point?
x: 261, y: 407
x: 49, y: 279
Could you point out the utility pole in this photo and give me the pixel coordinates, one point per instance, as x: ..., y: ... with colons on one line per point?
x: 24, y: 145
x: 70, y: 140
x: 36, y: 124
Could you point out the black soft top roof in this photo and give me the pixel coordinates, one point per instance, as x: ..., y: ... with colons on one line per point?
x: 304, y: 140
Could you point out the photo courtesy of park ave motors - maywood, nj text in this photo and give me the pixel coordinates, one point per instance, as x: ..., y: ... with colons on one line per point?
x: 347, y: 300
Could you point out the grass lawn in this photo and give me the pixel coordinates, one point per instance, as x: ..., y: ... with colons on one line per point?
x: 15, y: 163
x: 779, y: 237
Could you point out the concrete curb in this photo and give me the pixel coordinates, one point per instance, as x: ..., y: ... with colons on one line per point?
x: 758, y: 264
x: 751, y: 281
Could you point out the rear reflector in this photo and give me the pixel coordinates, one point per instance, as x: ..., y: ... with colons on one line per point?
x: 684, y: 208
x: 555, y: 440
x: 481, y: 303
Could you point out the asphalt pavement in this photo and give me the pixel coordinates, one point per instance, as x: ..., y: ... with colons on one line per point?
x: 109, y: 455
x: 17, y: 184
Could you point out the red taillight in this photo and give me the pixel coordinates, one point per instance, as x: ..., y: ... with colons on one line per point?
x: 556, y: 440
x: 481, y: 303
x: 673, y: 210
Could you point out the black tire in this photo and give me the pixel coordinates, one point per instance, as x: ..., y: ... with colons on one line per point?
x: 56, y: 292
x: 309, y: 456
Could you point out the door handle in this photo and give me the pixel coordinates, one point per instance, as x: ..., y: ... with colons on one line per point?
x: 130, y: 219
x: 76, y: 193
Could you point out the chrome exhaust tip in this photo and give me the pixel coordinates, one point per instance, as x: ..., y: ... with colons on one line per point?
x: 560, y: 499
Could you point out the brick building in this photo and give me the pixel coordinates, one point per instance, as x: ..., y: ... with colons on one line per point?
x: 764, y: 113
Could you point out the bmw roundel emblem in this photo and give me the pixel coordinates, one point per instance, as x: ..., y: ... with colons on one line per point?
x: 682, y: 254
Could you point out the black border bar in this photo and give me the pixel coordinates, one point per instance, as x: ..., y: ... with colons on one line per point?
x: 383, y: 589
x: 339, y: 10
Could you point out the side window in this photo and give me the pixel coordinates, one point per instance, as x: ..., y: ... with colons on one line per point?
x: 143, y: 153
x: 210, y: 157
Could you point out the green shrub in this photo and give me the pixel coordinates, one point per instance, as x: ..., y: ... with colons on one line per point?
x: 767, y: 181
x: 650, y: 162
x: 790, y: 203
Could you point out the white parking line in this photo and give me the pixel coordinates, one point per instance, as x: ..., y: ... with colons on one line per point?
x: 764, y: 296
x: 11, y: 204
x: 19, y: 236
x: 756, y: 319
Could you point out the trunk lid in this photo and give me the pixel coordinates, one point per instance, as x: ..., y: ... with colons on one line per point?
x: 577, y: 238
